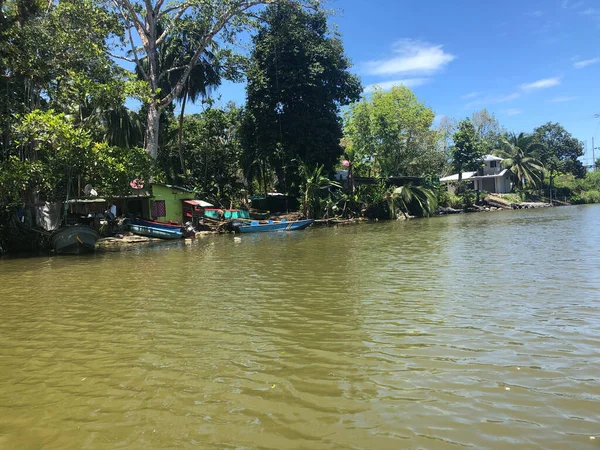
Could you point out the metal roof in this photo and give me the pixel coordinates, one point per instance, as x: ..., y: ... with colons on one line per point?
x: 492, y: 158
x: 465, y: 176
x: 200, y: 203
x: 495, y: 175
x: 172, y: 186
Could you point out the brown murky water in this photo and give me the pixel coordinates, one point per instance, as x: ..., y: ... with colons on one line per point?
x: 477, y: 331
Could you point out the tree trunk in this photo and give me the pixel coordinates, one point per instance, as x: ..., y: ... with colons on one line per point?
x: 152, y: 126
x: 180, y: 137
x: 264, y: 180
x: 154, y: 111
x: 350, y: 180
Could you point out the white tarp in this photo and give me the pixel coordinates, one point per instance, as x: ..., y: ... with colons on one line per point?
x: 47, y: 216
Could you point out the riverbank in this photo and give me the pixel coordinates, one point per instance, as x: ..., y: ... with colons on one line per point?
x: 127, y: 239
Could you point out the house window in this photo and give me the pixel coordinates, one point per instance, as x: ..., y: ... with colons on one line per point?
x: 158, y: 209
x: 492, y: 164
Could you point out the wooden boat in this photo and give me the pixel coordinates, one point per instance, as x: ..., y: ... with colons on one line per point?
x: 256, y: 227
x: 74, y: 240
x: 155, y: 224
x: 154, y: 232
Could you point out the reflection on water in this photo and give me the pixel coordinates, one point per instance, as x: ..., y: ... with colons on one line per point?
x: 466, y: 331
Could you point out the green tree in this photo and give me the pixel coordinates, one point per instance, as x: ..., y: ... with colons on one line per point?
x: 52, y: 55
x: 517, y: 151
x: 213, y: 152
x: 66, y: 157
x: 392, y: 131
x: 559, y: 152
x: 297, y: 81
x: 468, y: 149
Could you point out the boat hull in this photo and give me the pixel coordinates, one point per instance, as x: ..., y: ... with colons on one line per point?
x: 160, y: 233
x: 275, y: 226
x: 74, y: 240
x: 153, y: 224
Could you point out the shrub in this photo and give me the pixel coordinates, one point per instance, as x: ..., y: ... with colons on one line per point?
x: 591, y: 196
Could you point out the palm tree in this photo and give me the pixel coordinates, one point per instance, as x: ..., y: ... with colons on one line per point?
x: 205, y: 76
x: 122, y: 127
x: 409, y: 195
x: 518, y: 151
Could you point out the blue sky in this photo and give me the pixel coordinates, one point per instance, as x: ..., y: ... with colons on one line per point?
x: 527, y: 61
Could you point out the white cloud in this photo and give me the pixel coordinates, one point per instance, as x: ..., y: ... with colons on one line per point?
x: 411, y: 57
x: 567, y: 4
x: 563, y: 99
x: 541, y: 84
x: 512, y: 111
x: 507, y: 98
x: 590, y: 12
x: 469, y: 95
x: 387, y: 85
x: 585, y: 63
x: 489, y: 100
x: 537, y: 13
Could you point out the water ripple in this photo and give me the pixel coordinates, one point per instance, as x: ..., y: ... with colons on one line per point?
x: 471, y: 331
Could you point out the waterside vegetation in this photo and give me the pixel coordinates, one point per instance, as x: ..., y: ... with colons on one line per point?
x: 305, y: 130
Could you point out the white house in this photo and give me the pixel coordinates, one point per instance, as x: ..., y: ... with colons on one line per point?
x: 490, y: 177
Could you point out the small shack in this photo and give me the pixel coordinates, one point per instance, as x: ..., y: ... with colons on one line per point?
x: 193, y: 210
x: 166, y: 203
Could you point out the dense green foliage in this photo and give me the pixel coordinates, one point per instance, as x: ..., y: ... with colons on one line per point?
x: 298, y: 79
x: 212, y: 152
x: 578, y: 190
x: 559, y: 151
x: 63, y: 120
x: 390, y: 134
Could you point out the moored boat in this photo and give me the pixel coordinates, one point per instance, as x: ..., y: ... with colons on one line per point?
x: 74, y: 240
x: 161, y: 233
x: 156, y: 224
x: 256, y: 227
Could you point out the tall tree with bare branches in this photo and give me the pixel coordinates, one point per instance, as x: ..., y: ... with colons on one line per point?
x: 149, y: 23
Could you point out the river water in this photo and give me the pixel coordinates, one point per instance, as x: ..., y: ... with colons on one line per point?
x: 477, y: 331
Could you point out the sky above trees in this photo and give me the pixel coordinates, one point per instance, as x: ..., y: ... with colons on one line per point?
x: 528, y: 62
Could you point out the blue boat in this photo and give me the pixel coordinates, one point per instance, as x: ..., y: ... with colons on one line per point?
x: 256, y: 227
x: 155, y: 224
x: 154, y: 232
